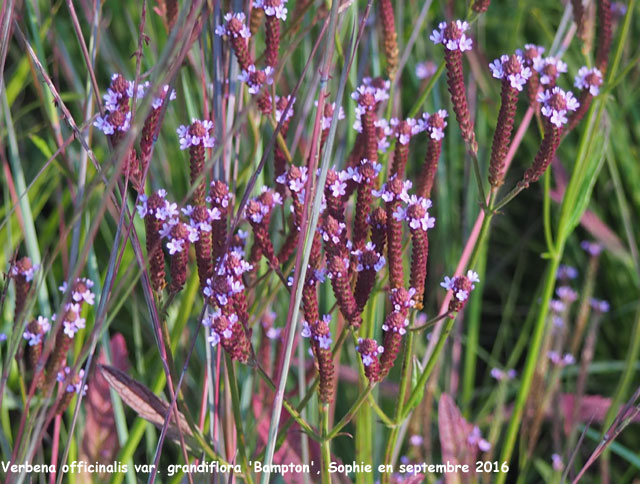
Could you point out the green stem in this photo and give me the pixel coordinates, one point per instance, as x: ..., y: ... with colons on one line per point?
x: 530, y: 364
x: 237, y: 416
x: 288, y: 407
x: 404, y: 385
x: 383, y: 416
x: 416, y: 393
x: 350, y: 414
x: 546, y: 210
x: 326, y: 444
x: 473, y: 332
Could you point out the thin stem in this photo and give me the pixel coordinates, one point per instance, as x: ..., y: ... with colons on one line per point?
x: 237, y: 416
x: 402, y: 393
x: 326, y: 444
x: 416, y: 393
x: 546, y: 210
x: 430, y: 322
x: 478, y: 177
x: 288, y: 407
x: 531, y: 362
x: 351, y: 413
x: 379, y: 412
x: 508, y: 197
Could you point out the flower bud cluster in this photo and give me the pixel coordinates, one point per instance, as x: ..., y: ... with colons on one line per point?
x: 461, y: 286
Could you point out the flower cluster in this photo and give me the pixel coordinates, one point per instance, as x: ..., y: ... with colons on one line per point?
x: 395, y: 326
x: 226, y: 330
x: 454, y: 39
x: 475, y: 439
x: 566, y: 272
x: 319, y: 334
x: 452, y: 36
x: 405, y: 129
x: 434, y: 124
x: 548, y: 69
x: 68, y: 322
x: 599, y: 305
x: 426, y: 69
x: 36, y: 330
x: 369, y: 351
x: 327, y: 115
x: 272, y: 8
x: 461, y: 287
x: 416, y: 213
x: 556, y: 103
x: 234, y: 26
x: 561, y: 361
x: 512, y: 69
x: 22, y: 272
x: 72, y: 383
x: 256, y: 78
x: 198, y: 134
x: 514, y: 75
x: 589, y: 80
x: 501, y: 375
x: 368, y: 263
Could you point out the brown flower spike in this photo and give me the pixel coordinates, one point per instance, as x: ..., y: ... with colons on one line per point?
x: 455, y: 42
x: 390, y: 37
x: 369, y: 350
x: 22, y: 273
x: 339, y: 274
x: 514, y: 75
x: 434, y: 125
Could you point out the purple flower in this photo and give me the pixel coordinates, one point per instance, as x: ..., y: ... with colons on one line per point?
x: 591, y: 248
x: 187, y: 139
x: 158, y: 100
x: 556, y: 103
x: 502, y: 375
x: 561, y: 361
x: 368, y: 357
x: 416, y: 214
x: 326, y: 120
x: 566, y: 294
x: 599, y: 305
x: 434, y: 124
x: 389, y: 196
x: 531, y: 53
x: 549, y: 69
x: 255, y: 79
x: 425, y: 69
x: 452, y: 36
x: 475, y: 438
x: 280, y: 111
x: 589, y: 79
x: 557, y: 463
x: 567, y: 272
x: 272, y: 8
x: 237, y: 30
x: 175, y: 246
x: 513, y: 69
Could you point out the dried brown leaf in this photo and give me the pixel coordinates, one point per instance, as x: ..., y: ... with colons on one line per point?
x: 143, y: 401
x: 100, y: 440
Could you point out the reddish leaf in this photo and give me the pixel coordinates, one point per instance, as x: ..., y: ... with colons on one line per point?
x: 99, y: 441
x: 454, y: 434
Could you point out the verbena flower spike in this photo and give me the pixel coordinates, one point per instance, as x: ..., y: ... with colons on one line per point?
x: 455, y: 41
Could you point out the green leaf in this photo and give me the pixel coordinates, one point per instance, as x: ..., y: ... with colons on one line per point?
x: 41, y: 144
